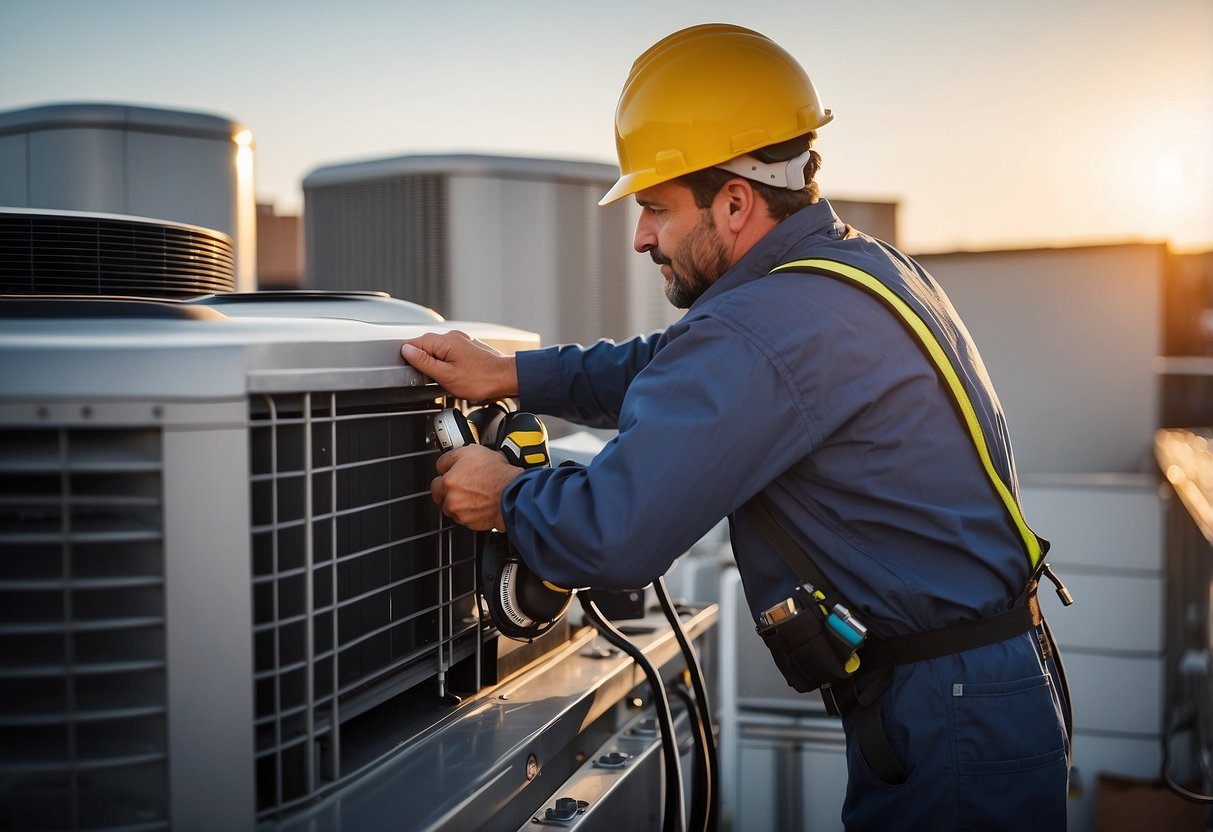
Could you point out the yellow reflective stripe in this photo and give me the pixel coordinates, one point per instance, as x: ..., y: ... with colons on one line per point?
x: 943, y: 364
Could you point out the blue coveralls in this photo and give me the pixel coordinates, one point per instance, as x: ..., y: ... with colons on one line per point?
x: 812, y: 391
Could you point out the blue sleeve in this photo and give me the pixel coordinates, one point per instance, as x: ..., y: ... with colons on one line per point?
x: 707, y: 423
x: 583, y: 385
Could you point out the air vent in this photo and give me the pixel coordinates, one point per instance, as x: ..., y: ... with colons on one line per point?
x: 388, y: 234
x: 83, y: 737
x: 43, y: 252
x: 358, y: 592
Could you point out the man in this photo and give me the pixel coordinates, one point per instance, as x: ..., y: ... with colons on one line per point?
x: 811, y: 389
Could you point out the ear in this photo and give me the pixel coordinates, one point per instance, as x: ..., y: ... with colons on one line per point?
x: 736, y: 200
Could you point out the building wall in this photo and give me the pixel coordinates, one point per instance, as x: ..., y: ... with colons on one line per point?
x: 279, y: 249
x: 1070, y: 338
x: 1189, y: 305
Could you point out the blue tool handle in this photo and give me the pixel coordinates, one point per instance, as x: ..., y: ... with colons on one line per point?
x: 844, y: 630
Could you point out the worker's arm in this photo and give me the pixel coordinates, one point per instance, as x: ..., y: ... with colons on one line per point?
x: 709, y: 422
x: 585, y: 385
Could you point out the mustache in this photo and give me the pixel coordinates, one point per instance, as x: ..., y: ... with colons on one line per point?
x: 659, y: 258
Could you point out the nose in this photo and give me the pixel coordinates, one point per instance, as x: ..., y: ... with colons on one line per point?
x: 644, y: 238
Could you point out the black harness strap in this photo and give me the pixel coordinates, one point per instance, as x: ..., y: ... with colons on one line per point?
x: 918, y: 647
x: 860, y: 698
x: 762, y: 514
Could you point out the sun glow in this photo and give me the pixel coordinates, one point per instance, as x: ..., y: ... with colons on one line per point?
x: 246, y: 213
x: 1176, y: 191
x: 1168, y: 175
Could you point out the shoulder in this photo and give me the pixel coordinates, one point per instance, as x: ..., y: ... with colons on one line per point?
x: 793, y: 306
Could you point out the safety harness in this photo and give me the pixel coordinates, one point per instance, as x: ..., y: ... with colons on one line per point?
x: 880, y: 656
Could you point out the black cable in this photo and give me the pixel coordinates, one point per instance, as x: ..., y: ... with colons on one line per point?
x: 673, y: 818
x: 712, y: 815
x: 1063, y: 684
x: 700, y: 785
x: 1187, y: 722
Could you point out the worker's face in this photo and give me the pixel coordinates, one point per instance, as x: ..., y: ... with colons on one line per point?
x: 682, y: 238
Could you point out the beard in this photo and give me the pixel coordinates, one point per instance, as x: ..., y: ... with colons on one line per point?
x: 701, y: 259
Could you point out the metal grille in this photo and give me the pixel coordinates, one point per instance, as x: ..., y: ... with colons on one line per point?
x: 82, y: 639
x: 358, y: 592
x: 77, y: 254
x: 592, y: 294
x: 388, y: 234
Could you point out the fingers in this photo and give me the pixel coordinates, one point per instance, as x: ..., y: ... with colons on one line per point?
x: 440, y: 487
x: 469, y: 485
x: 464, y: 367
x: 433, y: 354
x: 416, y: 357
x: 435, y: 344
x: 425, y: 353
x: 447, y: 460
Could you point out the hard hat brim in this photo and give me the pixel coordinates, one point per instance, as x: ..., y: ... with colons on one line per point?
x: 628, y: 184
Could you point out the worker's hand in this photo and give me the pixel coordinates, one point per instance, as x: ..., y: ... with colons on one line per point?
x: 464, y: 367
x: 469, y: 485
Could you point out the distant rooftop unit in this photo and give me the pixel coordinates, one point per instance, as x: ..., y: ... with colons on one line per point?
x: 518, y: 240
x: 186, y: 167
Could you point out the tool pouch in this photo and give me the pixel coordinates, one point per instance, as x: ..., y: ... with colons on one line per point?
x: 806, y: 653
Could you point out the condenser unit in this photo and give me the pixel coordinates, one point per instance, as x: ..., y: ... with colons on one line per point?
x: 118, y: 158
x: 227, y: 599
x: 512, y: 239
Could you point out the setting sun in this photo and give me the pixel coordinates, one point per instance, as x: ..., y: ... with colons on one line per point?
x: 1168, y: 175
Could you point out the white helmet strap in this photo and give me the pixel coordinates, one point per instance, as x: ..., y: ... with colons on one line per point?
x: 789, y: 174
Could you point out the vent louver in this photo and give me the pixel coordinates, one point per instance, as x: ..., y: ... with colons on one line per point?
x: 83, y: 740
x: 73, y: 253
x: 390, y: 234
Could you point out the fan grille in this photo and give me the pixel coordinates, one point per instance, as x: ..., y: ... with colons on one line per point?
x: 46, y: 253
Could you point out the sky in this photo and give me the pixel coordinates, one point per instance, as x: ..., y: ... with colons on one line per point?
x: 992, y: 124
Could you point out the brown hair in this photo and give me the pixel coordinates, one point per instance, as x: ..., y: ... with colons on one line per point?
x: 781, y: 203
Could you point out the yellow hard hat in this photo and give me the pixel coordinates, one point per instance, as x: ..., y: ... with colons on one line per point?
x: 705, y: 95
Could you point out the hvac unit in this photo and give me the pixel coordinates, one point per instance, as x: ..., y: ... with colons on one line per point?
x: 227, y: 600
x: 187, y: 167
x: 512, y: 239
